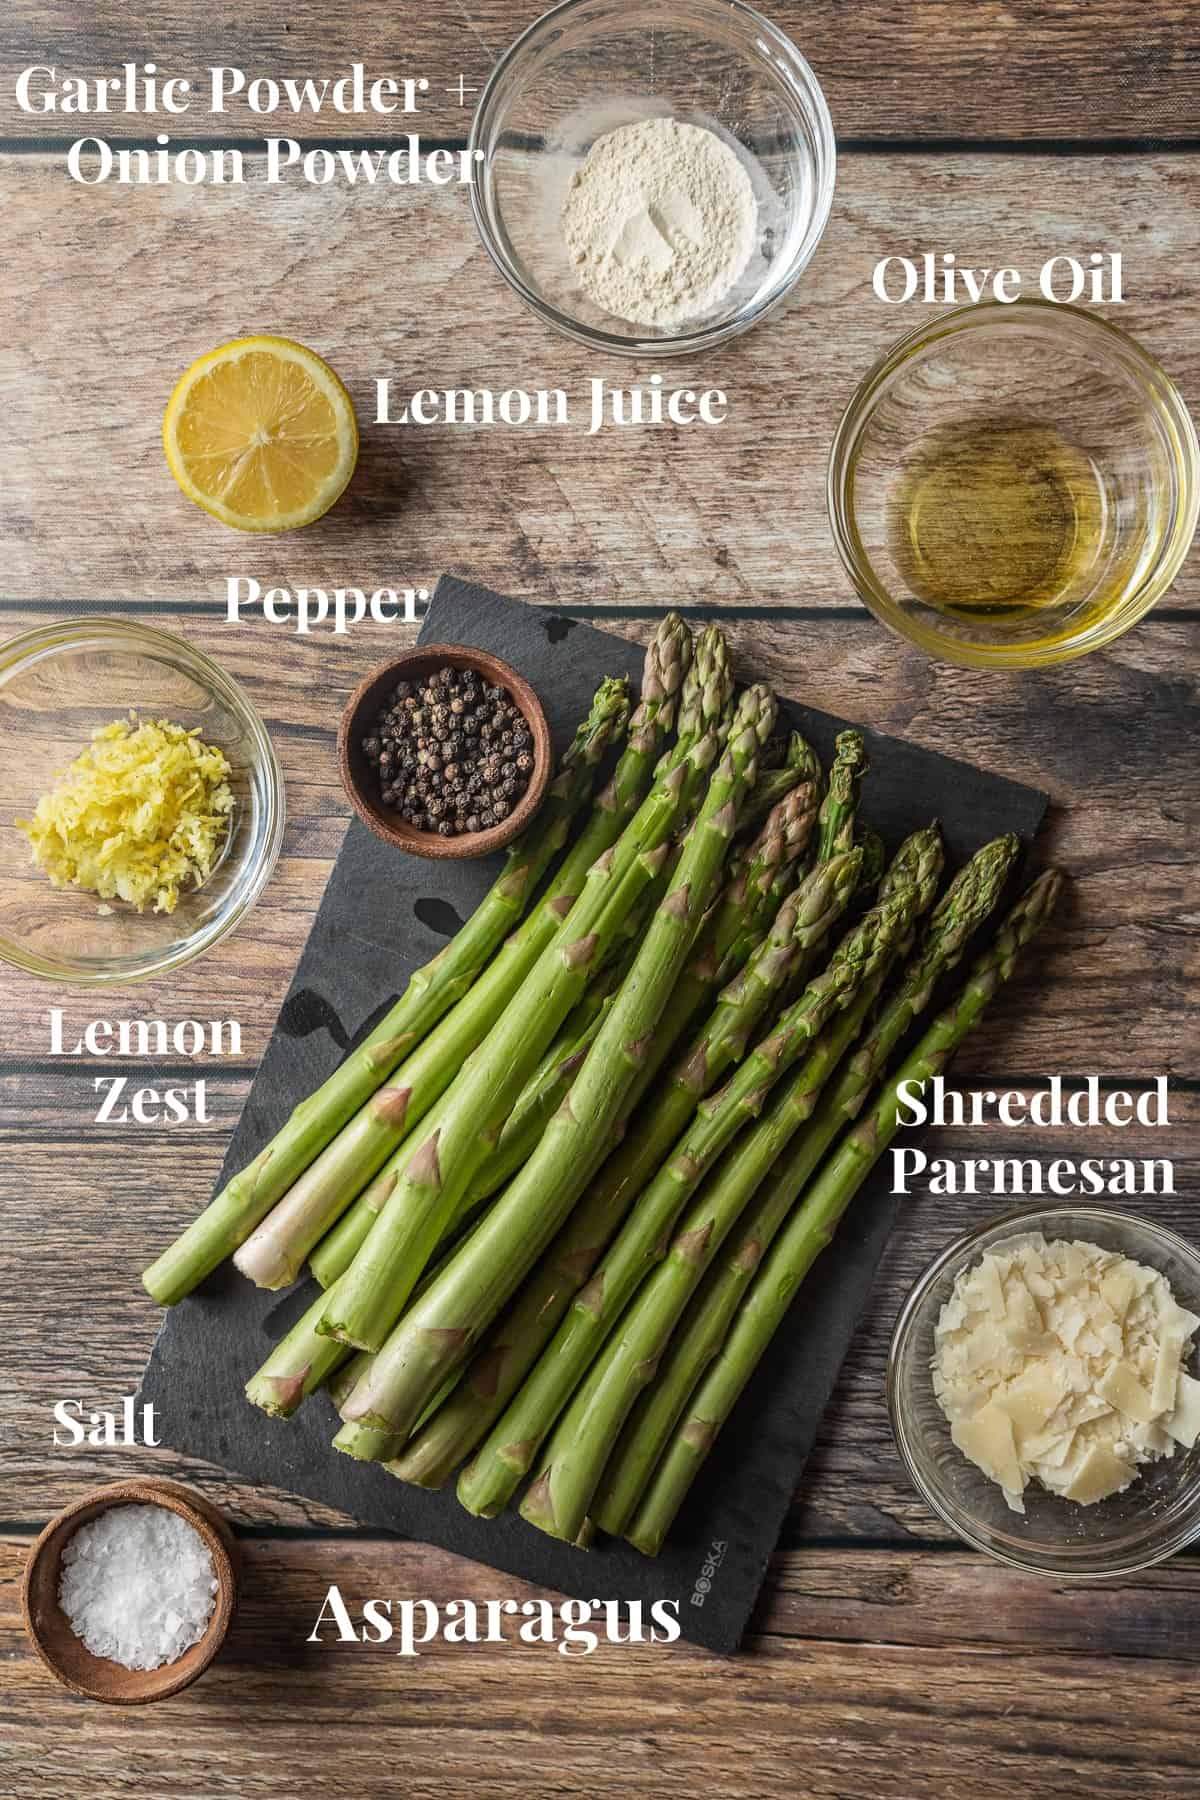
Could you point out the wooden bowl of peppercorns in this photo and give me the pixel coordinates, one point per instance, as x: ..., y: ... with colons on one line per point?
x: 445, y: 751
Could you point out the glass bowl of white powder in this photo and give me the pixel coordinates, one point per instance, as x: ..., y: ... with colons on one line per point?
x: 1069, y: 1364
x: 653, y: 179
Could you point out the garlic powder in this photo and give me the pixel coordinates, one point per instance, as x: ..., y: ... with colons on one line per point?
x: 660, y: 222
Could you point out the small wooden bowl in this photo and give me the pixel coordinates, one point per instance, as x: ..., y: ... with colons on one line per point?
x: 359, y: 778
x: 66, y: 1657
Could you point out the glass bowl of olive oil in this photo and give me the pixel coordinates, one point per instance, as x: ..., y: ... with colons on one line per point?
x: 1014, y: 485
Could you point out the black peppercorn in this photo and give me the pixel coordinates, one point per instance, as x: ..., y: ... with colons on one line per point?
x: 450, y: 753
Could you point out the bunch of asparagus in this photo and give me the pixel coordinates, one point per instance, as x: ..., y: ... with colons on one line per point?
x: 559, y: 1200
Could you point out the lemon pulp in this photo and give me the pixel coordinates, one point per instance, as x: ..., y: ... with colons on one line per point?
x: 261, y: 433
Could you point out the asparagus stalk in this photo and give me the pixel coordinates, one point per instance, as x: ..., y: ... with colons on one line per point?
x: 542, y: 1094
x: 365, y: 1443
x: 340, y: 1385
x: 758, y: 881
x: 249, y: 1195
x: 742, y: 1171
x: 275, y: 1253
x: 752, y: 895
x: 516, y: 1342
x: 802, y: 919
x: 508, y: 1452
x: 518, y: 1339
x: 728, y: 937
x: 445, y: 1162
x: 364, y: 1305
x: 434, y: 1339
x: 874, y: 858
x: 558, y: 1500
x: 298, y: 1365
x: 801, y: 767
x: 918, y: 863
x: 304, y: 1361
x: 840, y: 805
x: 812, y: 1224
x: 970, y: 898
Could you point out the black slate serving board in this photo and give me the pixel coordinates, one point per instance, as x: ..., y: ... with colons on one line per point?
x: 382, y: 916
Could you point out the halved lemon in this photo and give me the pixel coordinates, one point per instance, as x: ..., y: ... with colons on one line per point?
x: 261, y: 434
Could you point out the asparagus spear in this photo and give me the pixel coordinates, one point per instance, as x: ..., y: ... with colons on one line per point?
x: 759, y: 879
x: 298, y: 1365
x: 801, y: 767
x: 840, y: 805
x: 542, y: 1093
x: 444, y: 1164
x: 971, y: 897
x: 250, y: 1194
x: 340, y: 1385
x: 969, y: 900
x: 365, y: 1443
x: 812, y: 1224
x: 304, y: 1361
x: 874, y: 858
x: 539, y: 1101
x: 514, y: 1345
x: 803, y: 918
x: 532, y: 1113
x: 751, y: 896
x: 918, y: 863
x: 705, y: 694
x: 437, y: 1334
x: 507, y: 1453
x: 275, y: 1253
x: 743, y: 1170
x: 363, y: 1306
x: 558, y: 1500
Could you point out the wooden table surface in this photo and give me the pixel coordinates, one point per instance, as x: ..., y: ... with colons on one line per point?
x: 884, y: 1660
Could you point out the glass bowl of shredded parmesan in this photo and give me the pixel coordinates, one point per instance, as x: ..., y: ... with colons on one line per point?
x: 141, y: 802
x: 652, y: 179
x: 1044, y: 1390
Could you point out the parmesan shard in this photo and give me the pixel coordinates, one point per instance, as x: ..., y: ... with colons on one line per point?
x: 1064, y: 1363
x: 1122, y: 1389
x: 1098, y: 1474
x: 987, y: 1438
x: 1166, y: 1369
x: 1184, y: 1421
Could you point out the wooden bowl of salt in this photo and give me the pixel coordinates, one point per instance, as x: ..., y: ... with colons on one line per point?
x: 54, y: 1638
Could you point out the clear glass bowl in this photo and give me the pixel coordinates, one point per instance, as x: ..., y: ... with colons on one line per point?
x: 1030, y: 446
x: 589, y: 66
x: 1156, y: 1516
x: 57, y: 684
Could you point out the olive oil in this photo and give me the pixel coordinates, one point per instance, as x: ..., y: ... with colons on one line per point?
x: 1004, y: 520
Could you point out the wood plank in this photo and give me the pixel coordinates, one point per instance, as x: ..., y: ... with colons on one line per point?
x: 1124, y: 823
x: 931, y: 69
x: 805, y: 1714
x: 108, y: 1218
x: 396, y: 285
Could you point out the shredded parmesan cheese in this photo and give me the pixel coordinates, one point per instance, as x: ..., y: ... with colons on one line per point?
x: 139, y: 816
x: 1063, y: 1363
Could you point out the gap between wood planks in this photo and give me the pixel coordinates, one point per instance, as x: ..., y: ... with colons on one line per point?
x: 847, y: 146
x: 596, y: 609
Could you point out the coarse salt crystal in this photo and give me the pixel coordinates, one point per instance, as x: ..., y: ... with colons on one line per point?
x: 138, y: 1585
